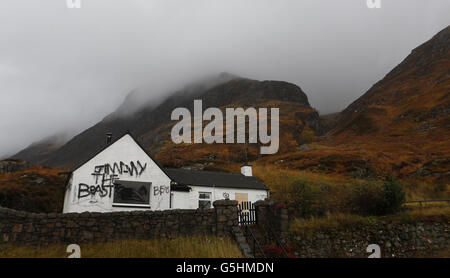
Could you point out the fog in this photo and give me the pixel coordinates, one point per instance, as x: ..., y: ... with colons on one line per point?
x: 63, y: 70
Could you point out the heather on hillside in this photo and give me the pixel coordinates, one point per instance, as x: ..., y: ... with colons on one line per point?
x: 38, y: 189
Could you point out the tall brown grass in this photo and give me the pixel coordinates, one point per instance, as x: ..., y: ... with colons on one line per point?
x: 195, y: 247
x: 328, y: 194
x: 335, y: 189
x: 331, y: 221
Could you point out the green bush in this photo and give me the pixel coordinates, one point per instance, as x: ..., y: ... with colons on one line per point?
x: 303, y: 198
x: 392, y: 196
x: 375, y: 199
x: 365, y: 198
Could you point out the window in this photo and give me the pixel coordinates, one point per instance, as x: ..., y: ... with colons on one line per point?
x: 130, y: 193
x: 204, y: 200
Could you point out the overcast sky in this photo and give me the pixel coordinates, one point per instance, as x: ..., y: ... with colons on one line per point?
x: 66, y: 68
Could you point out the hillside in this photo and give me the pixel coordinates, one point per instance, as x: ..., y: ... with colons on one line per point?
x: 299, y: 123
x: 407, y: 113
x: 412, y: 101
x: 32, y: 188
x: 38, y: 152
x: 400, y: 126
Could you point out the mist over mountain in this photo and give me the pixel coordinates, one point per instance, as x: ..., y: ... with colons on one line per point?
x: 142, y: 98
x: 38, y: 151
x: 151, y: 123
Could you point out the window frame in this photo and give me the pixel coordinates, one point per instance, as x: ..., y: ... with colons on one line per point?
x: 209, y: 199
x: 130, y: 205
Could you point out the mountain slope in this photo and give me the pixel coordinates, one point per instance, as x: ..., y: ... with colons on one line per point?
x: 38, y: 152
x: 412, y: 101
x: 400, y: 126
x: 152, y: 125
x: 408, y: 112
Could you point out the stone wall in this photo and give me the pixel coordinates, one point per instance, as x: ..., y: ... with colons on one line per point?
x: 420, y: 239
x: 397, y: 237
x: 273, y: 214
x: 425, y: 237
x: 19, y: 227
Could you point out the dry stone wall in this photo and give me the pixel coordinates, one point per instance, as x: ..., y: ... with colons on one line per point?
x: 396, y: 240
x: 19, y: 227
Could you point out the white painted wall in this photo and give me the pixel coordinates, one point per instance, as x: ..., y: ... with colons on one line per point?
x: 189, y: 200
x: 126, y: 150
x: 180, y: 200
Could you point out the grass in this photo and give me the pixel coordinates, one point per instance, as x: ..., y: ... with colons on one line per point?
x: 328, y: 193
x: 279, y: 180
x: 196, y: 247
x: 331, y: 221
x: 423, y: 190
x: 327, y: 222
x: 439, y: 254
x: 335, y: 189
x: 435, y: 203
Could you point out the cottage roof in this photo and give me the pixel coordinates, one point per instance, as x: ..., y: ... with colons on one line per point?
x: 214, y: 179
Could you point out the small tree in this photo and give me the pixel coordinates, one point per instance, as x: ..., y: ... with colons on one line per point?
x: 365, y: 198
x: 302, y: 197
x: 372, y: 199
x: 392, y: 197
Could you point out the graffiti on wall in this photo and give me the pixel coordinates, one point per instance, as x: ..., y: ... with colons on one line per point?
x: 105, y: 175
x: 160, y: 190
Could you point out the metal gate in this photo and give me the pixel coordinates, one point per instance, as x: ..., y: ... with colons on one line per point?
x: 246, y: 213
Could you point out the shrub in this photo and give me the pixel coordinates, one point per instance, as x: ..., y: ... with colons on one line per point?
x: 365, y: 198
x: 303, y: 198
x: 374, y: 199
x: 392, y: 196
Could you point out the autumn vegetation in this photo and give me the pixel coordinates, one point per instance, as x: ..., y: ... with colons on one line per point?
x: 351, y: 220
x: 38, y: 189
x: 195, y: 247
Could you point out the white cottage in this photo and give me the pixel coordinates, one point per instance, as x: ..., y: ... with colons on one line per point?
x: 123, y: 176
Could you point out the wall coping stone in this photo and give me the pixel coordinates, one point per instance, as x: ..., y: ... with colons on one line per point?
x: 220, y: 203
x: 262, y: 203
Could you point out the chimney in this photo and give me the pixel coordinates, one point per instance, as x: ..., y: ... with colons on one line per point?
x: 246, y: 170
x: 108, y: 138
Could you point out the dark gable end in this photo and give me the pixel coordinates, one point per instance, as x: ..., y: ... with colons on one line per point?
x: 215, y: 179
